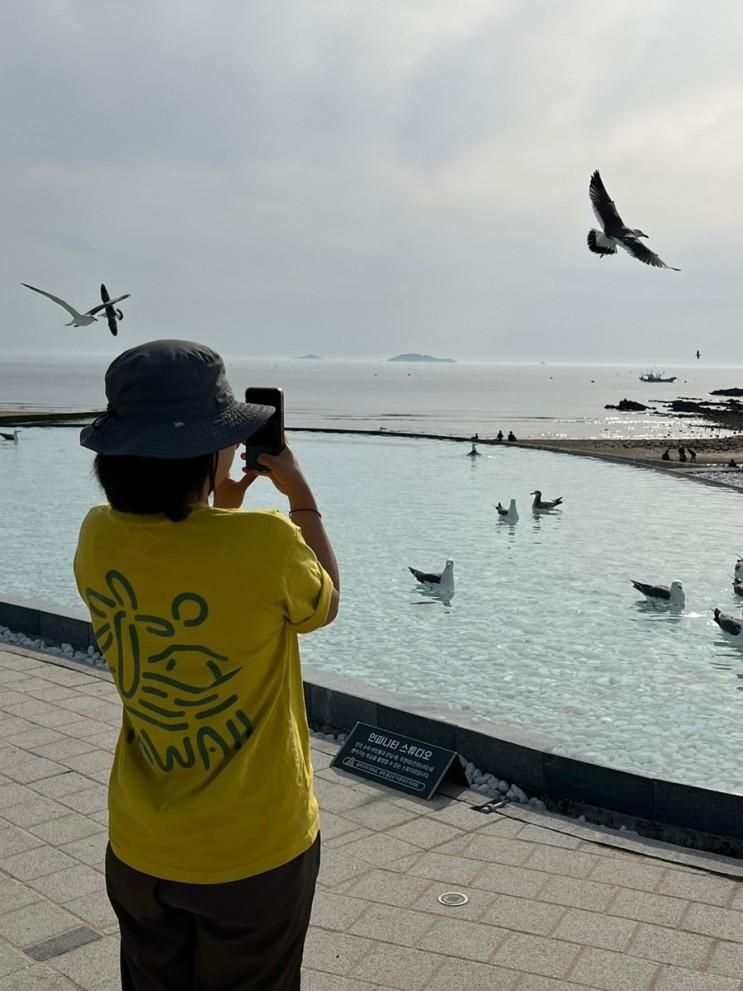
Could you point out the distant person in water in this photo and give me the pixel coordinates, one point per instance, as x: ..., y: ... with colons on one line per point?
x: 698, y: 354
x: 692, y: 454
x: 682, y: 454
x: 666, y: 455
x: 475, y: 438
x: 511, y: 435
x: 499, y: 436
x: 732, y: 464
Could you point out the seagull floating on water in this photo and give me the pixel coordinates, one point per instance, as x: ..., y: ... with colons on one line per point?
x: 14, y: 436
x: 738, y: 586
x: 729, y: 624
x: 443, y: 582
x: 673, y: 594
x: 509, y: 515
x: 82, y: 319
x: 615, y: 232
x: 739, y: 568
x: 543, y: 504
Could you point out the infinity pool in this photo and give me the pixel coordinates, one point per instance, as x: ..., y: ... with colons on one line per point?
x: 544, y: 630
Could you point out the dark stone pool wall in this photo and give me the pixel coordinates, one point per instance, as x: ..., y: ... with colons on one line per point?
x: 669, y: 810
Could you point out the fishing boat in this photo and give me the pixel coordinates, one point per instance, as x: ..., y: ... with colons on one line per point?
x: 657, y: 376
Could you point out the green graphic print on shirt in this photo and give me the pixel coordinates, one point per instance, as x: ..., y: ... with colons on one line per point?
x: 204, y: 718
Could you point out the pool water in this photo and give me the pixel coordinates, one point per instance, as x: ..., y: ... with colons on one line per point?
x: 544, y: 630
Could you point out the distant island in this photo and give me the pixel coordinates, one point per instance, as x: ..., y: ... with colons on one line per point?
x: 311, y: 357
x: 421, y: 357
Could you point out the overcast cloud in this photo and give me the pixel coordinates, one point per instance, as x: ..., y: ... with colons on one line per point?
x: 357, y: 178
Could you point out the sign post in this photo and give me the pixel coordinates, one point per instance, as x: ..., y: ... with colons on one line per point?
x: 395, y: 760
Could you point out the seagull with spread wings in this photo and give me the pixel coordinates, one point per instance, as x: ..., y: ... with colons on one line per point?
x: 615, y: 232
x: 82, y: 319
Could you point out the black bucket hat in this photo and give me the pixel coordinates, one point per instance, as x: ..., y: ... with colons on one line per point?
x: 170, y: 399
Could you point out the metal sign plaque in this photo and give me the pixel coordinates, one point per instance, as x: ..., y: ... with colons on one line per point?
x: 399, y: 761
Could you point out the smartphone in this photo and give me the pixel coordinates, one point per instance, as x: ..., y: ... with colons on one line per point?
x: 270, y: 438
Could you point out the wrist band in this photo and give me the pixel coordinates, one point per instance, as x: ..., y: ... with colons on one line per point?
x: 305, y: 509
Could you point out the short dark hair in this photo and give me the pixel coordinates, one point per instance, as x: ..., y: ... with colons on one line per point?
x: 154, y: 485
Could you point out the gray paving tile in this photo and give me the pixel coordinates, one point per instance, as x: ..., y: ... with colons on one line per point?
x: 63, y: 886
x: 494, y: 849
x: 95, y: 909
x: 523, y: 915
x: 593, y: 896
x: 34, y: 863
x: 62, y: 784
x: 461, y: 938
x: 343, y: 839
x: 66, y: 829
x: 552, y: 837
x: 14, y: 794
x: 386, y: 887
x: 397, y: 967
x: 337, y: 868
x: 67, y: 747
x: 536, y: 955
x: 727, y: 958
x: 14, y: 840
x: 91, y: 850
x: 11, y: 961
x: 378, y: 849
x: 518, y: 881
x: 93, y: 799
x: 463, y: 816
x: 445, y: 867
x: 670, y: 946
x: 627, y: 873
x: 456, y: 974
x: 533, y: 982
x: 378, y: 815
x: 697, y: 887
x: 479, y: 902
x: 334, y: 952
x: 390, y: 924
x: 37, y: 977
x: 602, y: 970
x: 333, y: 911
x: 644, y: 906
x: 34, y: 923
x: 681, y: 979
x: 37, y: 737
x: 425, y: 832
x: 315, y: 980
x: 722, y: 923
x: 14, y: 894
x: 91, y: 965
x: 95, y: 765
x: 35, y: 811
x: 593, y: 929
x: 32, y: 769
x: 63, y: 943
x: 553, y: 860
x: 10, y: 725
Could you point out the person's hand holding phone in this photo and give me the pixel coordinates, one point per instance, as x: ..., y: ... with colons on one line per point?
x: 284, y: 471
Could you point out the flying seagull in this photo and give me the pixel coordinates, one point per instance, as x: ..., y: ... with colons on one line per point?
x: 509, y: 515
x: 539, y: 503
x: 662, y: 593
x: 728, y: 623
x: 79, y: 319
x: 112, y: 313
x: 13, y: 436
x: 615, y: 232
x: 443, y: 582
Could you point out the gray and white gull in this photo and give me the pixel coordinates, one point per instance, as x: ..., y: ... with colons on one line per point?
x: 729, y: 624
x: 509, y: 515
x: 543, y: 505
x: 83, y: 319
x: 442, y: 582
x: 673, y: 594
x: 12, y: 437
x: 615, y: 232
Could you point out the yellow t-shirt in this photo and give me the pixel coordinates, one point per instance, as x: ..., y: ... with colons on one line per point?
x: 198, y: 621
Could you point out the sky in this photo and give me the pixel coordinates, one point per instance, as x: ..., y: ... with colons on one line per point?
x: 357, y: 178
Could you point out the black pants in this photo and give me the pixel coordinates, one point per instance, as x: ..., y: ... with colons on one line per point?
x: 238, y: 936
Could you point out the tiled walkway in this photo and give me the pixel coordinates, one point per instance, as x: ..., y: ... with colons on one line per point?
x: 553, y: 905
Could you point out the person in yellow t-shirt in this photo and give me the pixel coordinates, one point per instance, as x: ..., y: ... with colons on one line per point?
x: 214, y: 844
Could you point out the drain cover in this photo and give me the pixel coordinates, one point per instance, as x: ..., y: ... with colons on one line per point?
x: 453, y: 898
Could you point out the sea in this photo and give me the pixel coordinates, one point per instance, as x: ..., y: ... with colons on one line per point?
x: 534, y: 400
